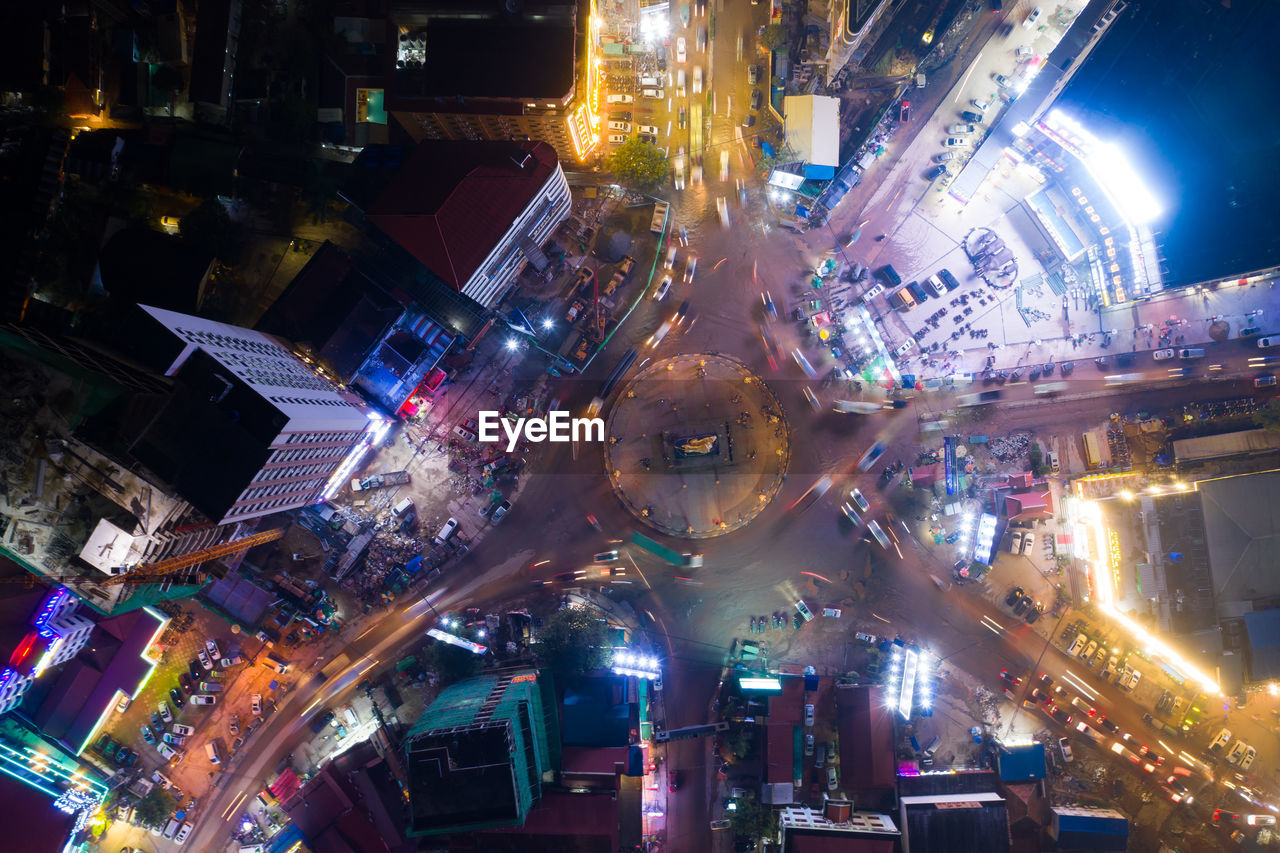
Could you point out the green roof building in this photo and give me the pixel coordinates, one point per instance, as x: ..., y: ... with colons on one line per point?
x: 478, y: 757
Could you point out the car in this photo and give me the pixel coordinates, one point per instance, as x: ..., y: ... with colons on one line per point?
x: 1064, y: 746
x: 1059, y: 716
x: 165, y: 713
x: 904, y: 111
x: 690, y: 267
x: 175, y: 740
x: 720, y: 824
x: 697, y: 80
x: 1260, y: 820
x: 650, y: 129
x: 1099, y: 656
x: 671, y: 257
x: 673, y: 781
x: 979, y: 105
x: 808, y: 715
x: 1032, y: 18
x: 1247, y: 760
x: 211, y: 646
x: 833, y: 780
x: 722, y: 208
x: 972, y: 117
x: 1268, y: 342
x: 757, y: 99
x: 1079, y: 643
x: 176, y: 695
x: 1237, y: 752
x: 500, y: 510
x: 196, y: 668
x: 682, y: 50
x: 1001, y: 81
x: 204, y: 661
x: 1162, y: 354
x: 869, y: 458
x: 1089, y: 649
x: 811, y: 398
x: 1106, y: 725
x: 663, y: 289
x: 1040, y: 696
x: 1151, y: 755
x: 148, y: 734
x: 203, y: 699
x: 620, y: 99
x: 1223, y: 815
x: 1264, y: 381
x: 1077, y: 702
x: 935, y: 173
x: 169, y: 753
x: 1014, y: 596
x: 873, y: 292
x: 187, y: 682
x: 851, y: 514
x: 1009, y: 678
x: 1219, y: 741
x: 702, y: 39
x: 860, y: 500
x: 803, y: 610
x: 753, y: 74
x: 961, y: 129
x: 184, y: 832
x: 954, y: 142
x: 1178, y: 792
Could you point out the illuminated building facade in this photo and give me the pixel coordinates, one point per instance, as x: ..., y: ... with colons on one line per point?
x: 467, y: 72
x: 57, y: 634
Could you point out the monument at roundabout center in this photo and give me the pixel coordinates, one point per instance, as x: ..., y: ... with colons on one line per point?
x: 696, y: 445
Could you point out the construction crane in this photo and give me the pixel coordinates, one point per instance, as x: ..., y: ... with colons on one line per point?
x: 152, y: 572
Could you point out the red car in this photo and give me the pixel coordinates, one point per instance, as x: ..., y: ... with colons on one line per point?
x: 904, y: 111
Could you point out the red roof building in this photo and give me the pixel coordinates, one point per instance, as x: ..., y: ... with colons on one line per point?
x: 865, y: 725
x: 1024, y: 498
x: 473, y: 213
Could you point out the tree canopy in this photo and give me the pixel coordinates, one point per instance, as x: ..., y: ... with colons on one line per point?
x: 773, y: 37
x: 575, y: 641
x: 154, y: 809
x: 1268, y: 417
x: 638, y: 163
x: 451, y: 663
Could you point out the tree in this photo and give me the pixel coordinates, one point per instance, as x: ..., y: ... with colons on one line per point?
x: 154, y: 809
x: 638, y: 163
x: 452, y: 664
x: 1036, y: 457
x: 750, y: 821
x: 574, y: 641
x: 1269, y: 417
x: 773, y: 37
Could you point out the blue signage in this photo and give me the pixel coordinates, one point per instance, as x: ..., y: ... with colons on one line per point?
x: 949, y: 463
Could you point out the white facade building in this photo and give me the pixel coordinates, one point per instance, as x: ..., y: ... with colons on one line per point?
x: 301, y: 432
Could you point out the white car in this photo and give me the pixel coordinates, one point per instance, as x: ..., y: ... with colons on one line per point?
x: 204, y: 659
x: 679, y: 172
x: 955, y: 141
x: 655, y: 94
x: 617, y: 138
x: 980, y: 106
x: 1162, y: 354
x: 808, y: 715
x: 691, y: 264
x: 961, y: 129
x: 203, y: 699
x: 1032, y: 18
x: 183, y: 834
x: 1065, y: 746
x: 724, y: 165
x: 723, y: 209
x: 647, y: 128
x: 663, y: 289
x: 671, y: 257
x: 1260, y: 820
x: 256, y: 703
x: 165, y: 713
x: 697, y: 80
x: 681, y: 55
x: 812, y: 398
x: 1249, y: 755
x: 860, y: 500
x: 620, y: 99
x: 211, y: 646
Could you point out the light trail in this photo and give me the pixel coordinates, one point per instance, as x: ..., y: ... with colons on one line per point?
x: 234, y: 803
x: 972, y: 66
x: 814, y: 575
x: 992, y: 625
x: 1088, y: 691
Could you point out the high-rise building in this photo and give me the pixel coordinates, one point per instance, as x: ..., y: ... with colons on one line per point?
x: 251, y: 429
x: 478, y: 756
x: 462, y: 71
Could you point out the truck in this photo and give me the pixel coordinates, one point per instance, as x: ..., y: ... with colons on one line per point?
x: 659, y: 217
x: 687, y: 561
x: 380, y: 481
x: 1092, y: 458
x: 624, y: 270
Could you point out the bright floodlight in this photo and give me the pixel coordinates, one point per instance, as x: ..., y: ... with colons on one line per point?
x: 548, y: 323
x: 512, y: 344
x: 1111, y: 169
x: 906, y: 692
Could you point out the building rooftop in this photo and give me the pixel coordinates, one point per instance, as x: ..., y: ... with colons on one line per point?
x: 1242, y: 529
x: 956, y: 823
x: 865, y: 726
x: 1021, y: 763
x: 451, y: 202
x: 488, y: 59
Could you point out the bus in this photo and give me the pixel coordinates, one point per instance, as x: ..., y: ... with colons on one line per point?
x: 1092, y: 458
x: 688, y: 561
